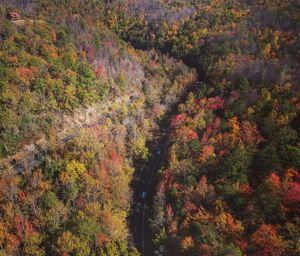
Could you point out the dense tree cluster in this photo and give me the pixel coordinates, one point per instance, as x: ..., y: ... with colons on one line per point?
x: 230, y: 186
x: 55, y: 63
x: 39, y: 77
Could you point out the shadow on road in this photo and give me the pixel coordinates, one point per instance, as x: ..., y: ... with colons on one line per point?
x: 145, y: 182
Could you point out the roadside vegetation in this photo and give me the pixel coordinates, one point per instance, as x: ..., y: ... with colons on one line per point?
x: 231, y: 186
x: 53, y: 73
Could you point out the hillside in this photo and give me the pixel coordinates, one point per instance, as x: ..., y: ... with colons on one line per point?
x: 78, y: 105
x: 231, y: 184
x: 85, y: 89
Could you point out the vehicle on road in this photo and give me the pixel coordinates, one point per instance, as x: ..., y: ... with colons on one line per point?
x: 143, y: 195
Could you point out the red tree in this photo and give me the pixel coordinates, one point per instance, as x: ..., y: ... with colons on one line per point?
x: 267, y: 241
x: 292, y: 196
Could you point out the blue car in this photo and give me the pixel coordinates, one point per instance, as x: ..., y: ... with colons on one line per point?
x: 143, y: 195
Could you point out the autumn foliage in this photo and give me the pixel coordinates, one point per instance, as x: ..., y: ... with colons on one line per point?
x: 83, y: 85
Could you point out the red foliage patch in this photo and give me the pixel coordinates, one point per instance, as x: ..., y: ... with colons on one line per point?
x: 274, y: 180
x: 242, y: 243
x: 178, y: 120
x: 19, y: 227
x: 101, y: 239
x: 246, y: 189
x: 292, y: 196
x: 170, y: 212
x: 267, y: 241
x: 21, y: 196
x: 204, y: 249
x: 25, y: 73
x: 189, y: 206
x: 99, y: 70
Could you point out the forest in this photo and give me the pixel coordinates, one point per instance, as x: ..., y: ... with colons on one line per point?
x: 86, y: 84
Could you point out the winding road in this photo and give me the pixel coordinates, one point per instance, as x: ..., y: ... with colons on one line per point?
x: 140, y: 213
x: 143, y: 187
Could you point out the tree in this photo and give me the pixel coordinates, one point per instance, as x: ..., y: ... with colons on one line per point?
x: 268, y: 198
x: 236, y: 165
x: 55, y: 216
x: 187, y: 243
x: 88, y: 227
x: 267, y: 241
x: 69, y: 243
x: 72, y: 172
x: 33, y: 245
x: 292, y: 196
x: 118, y: 248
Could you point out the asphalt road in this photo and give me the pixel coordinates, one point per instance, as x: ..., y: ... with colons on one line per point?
x: 143, y: 196
x: 144, y: 187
